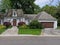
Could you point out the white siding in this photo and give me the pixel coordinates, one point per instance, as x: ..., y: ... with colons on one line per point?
x: 55, y: 24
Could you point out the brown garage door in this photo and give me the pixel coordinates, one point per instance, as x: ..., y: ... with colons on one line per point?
x: 48, y: 24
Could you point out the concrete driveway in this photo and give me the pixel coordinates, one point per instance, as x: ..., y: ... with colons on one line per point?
x: 51, y: 31
x: 31, y: 40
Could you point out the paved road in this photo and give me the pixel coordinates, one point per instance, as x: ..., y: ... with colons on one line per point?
x: 25, y: 40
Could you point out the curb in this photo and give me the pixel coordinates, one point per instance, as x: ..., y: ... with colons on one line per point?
x: 32, y: 35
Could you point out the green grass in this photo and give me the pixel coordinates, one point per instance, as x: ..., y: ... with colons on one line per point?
x: 30, y: 31
x: 58, y: 27
x: 2, y: 30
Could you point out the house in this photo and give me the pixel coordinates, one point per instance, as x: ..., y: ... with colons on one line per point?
x: 14, y: 16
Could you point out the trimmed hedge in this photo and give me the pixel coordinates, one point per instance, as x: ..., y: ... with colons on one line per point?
x: 7, y: 24
x: 21, y: 23
x: 35, y: 25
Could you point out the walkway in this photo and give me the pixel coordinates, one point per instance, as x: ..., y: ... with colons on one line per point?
x: 11, y: 31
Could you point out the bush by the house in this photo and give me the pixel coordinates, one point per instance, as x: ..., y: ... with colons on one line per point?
x: 21, y: 23
x: 23, y: 27
x: 2, y: 27
x: 35, y: 25
x: 7, y: 24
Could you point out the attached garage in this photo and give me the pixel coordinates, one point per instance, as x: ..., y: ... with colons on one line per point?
x: 47, y: 20
x: 48, y: 24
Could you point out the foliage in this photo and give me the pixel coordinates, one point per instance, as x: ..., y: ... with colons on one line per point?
x: 5, y: 4
x: 24, y: 27
x: 7, y: 24
x: 37, y: 9
x: 26, y: 5
x: 50, y: 9
x: 2, y: 27
x: 35, y: 25
x: 58, y: 13
x: 21, y: 23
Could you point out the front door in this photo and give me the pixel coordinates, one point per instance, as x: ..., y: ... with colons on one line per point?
x: 14, y: 22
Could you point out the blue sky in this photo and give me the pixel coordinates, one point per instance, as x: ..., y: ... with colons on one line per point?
x: 42, y: 3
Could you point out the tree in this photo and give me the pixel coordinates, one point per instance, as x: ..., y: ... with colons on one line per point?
x: 37, y: 9
x: 50, y: 9
x: 58, y: 13
x: 5, y: 4
x: 26, y: 5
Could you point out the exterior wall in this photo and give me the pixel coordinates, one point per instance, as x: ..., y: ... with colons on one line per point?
x: 55, y: 23
x: 17, y: 20
x: 1, y: 22
x: 26, y: 21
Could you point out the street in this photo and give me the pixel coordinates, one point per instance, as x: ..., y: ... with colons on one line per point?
x: 29, y: 40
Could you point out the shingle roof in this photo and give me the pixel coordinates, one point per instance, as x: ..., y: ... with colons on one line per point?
x: 45, y: 16
x: 40, y: 16
x: 19, y: 12
x: 30, y: 16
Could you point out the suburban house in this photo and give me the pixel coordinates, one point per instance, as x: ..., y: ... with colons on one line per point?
x: 14, y: 16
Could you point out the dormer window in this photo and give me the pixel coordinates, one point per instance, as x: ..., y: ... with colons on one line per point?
x: 14, y: 13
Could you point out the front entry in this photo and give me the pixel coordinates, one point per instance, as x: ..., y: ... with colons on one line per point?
x: 14, y: 22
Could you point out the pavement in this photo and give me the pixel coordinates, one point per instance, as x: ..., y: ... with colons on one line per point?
x: 29, y: 40
x: 11, y: 31
x: 50, y: 31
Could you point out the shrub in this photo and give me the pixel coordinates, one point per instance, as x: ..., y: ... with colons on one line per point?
x: 23, y: 27
x: 35, y: 25
x: 7, y: 24
x: 21, y: 23
x: 2, y: 27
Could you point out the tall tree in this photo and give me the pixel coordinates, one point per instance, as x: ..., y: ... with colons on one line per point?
x: 58, y: 13
x: 37, y: 9
x: 50, y: 9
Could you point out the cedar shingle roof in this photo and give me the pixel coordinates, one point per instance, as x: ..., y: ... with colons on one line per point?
x: 30, y: 16
x: 10, y: 12
x: 40, y: 16
x: 45, y: 16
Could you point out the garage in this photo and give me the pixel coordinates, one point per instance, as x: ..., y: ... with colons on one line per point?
x: 48, y: 24
x: 47, y: 20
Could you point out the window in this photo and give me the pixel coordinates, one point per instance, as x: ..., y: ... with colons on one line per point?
x: 14, y: 13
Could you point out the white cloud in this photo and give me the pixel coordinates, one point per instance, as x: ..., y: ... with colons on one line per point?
x: 42, y: 2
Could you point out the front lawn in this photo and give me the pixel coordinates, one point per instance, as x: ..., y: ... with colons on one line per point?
x: 2, y: 30
x: 30, y: 31
x: 58, y: 27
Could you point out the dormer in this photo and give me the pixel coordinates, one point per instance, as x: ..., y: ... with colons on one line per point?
x: 14, y: 13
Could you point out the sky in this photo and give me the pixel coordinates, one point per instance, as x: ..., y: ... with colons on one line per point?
x: 42, y: 3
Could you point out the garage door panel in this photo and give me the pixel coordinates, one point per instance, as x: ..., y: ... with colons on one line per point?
x: 48, y: 24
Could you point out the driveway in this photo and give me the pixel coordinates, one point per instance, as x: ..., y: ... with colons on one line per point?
x: 12, y: 31
x: 32, y: 40
x: 51, y: 31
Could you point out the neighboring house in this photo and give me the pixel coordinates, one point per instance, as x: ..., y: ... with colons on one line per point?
x: 14, y: 16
